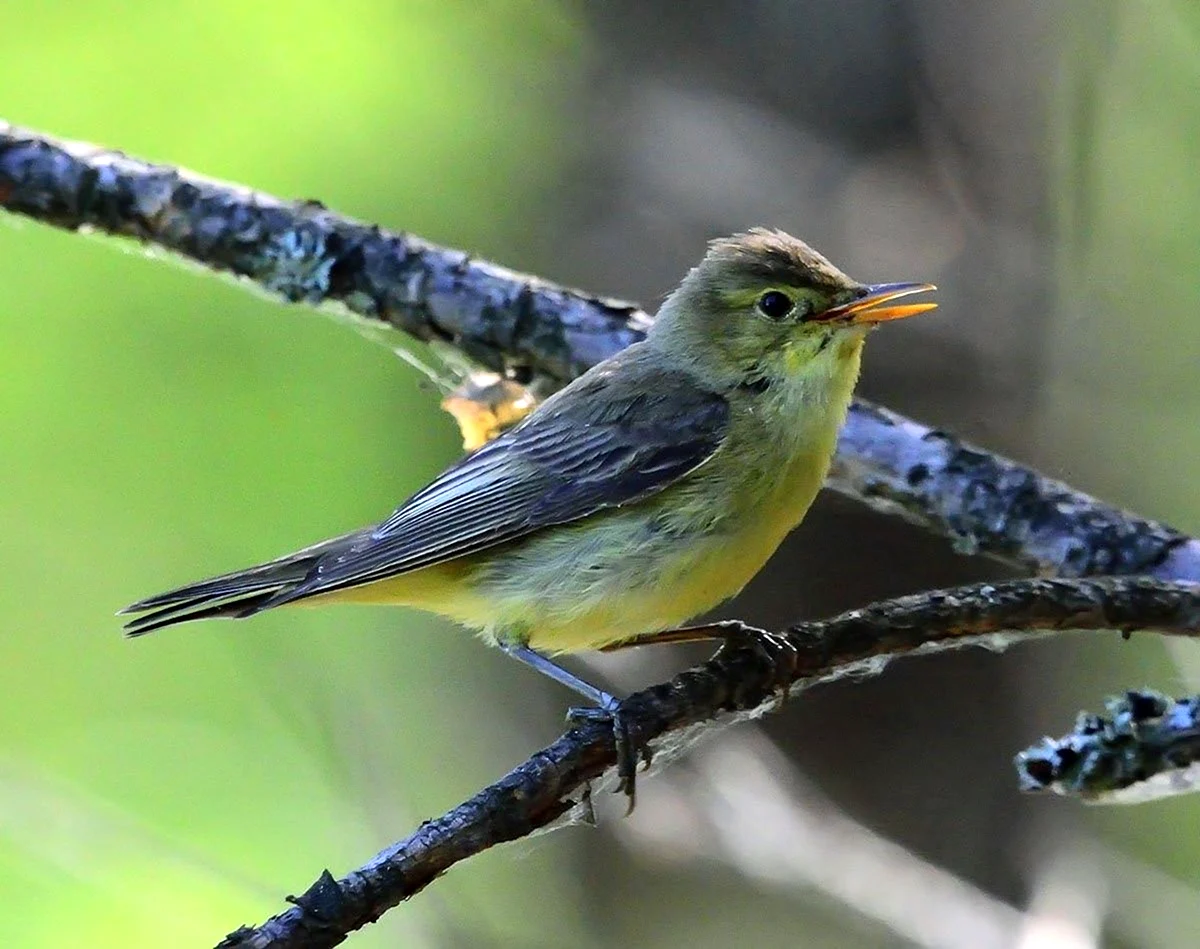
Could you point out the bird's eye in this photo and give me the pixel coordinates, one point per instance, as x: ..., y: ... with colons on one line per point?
x: 775, y: 305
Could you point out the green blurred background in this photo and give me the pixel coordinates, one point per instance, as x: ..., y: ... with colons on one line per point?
x: 1037, y: 160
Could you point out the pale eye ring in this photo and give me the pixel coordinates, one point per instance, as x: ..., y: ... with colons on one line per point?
x: 775, y: 304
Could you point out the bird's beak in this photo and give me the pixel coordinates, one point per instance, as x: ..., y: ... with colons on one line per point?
x: 870, y: 307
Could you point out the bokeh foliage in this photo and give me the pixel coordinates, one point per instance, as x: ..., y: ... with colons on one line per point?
x: 158, y: 426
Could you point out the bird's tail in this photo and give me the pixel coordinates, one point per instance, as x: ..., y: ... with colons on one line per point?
x: 236, y: 595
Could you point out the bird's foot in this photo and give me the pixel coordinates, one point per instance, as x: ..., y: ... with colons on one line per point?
x: 625, y: 737
x: 607, y: 709
x: 775, y: 648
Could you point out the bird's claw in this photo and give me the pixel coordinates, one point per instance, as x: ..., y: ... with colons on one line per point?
x: 775, y: 648
x: 628, y: 748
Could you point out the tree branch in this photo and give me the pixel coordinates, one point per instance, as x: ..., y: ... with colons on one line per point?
x: 518, y: 324
x: 302, y: 253
x: 551, y: 788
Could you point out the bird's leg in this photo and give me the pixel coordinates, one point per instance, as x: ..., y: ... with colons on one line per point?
x: 607, y: 709
x: 774, y: 647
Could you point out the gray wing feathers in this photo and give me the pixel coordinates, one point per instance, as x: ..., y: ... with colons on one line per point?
x: 613, y: 438
x: 619, y: 434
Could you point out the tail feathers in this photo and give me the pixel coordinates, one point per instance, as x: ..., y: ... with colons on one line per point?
x: 236, y: 595
x: 256, y: 578
x: 236, y: 608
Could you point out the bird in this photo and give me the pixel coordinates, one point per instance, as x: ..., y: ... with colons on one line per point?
x: 646, y: 492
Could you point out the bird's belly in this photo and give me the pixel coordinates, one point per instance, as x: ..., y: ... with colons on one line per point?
x: 569, y: 591
x: 591, y: 585
x: 682, y: 588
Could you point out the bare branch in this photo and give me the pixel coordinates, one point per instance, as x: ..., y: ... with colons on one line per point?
x: 1145, y: 747
x: 551, y: 787
x: 302, y: 253
x: 990, y: 505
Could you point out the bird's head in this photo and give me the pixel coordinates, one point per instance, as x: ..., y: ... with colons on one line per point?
x: 763, y: 306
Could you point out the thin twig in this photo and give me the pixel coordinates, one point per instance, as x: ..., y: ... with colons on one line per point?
x: 551, y: 787
x: 302, y: 253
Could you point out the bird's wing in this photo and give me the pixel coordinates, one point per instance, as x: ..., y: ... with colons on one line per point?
x: 616, y: 436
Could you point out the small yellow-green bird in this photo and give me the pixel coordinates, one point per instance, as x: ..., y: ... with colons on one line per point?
x: 647, y: 491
